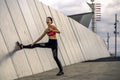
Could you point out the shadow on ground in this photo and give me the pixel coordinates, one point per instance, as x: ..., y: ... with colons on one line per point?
x: 106, y: 59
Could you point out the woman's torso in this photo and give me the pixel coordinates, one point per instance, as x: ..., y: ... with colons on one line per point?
x: 51, y: 34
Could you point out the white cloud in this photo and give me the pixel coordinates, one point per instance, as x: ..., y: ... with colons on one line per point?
x: 69, y: 7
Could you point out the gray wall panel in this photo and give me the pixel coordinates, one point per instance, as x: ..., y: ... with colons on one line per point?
x: 86, y: 41
x: 77, y: 41
x: 71, y: 39
x: 77, y: 50
x: 40, y: 27
x: 103, y: 47
x: 77, y: 35
x: 89, y: 44
x: 24, y: 35
x: 81, y: 38
x: 8, y: 29
x: 92, y: 45
x: 5, y: 60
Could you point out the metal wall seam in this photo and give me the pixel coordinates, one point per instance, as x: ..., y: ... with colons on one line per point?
x: 26, y: 23
x: 71, y: 22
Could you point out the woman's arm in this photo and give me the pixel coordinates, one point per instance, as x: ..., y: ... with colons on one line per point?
x: 44, y: 33
x: 55, y: 30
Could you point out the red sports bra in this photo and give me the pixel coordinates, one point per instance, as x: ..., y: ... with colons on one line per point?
x: 51, y: 33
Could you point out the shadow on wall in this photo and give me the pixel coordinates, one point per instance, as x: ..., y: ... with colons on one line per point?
x: 7, y: 56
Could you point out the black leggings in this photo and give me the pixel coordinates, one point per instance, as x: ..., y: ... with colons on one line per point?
x: 50, y: 44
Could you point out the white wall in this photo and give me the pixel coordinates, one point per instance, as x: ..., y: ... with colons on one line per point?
x: 24, y: 21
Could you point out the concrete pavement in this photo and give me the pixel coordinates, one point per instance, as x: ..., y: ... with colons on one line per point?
x: 101, y: 69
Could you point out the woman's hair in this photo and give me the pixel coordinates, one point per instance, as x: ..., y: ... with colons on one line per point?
x: 50, y: 19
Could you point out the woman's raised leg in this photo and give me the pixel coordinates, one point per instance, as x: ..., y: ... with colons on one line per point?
x: 42, y: 45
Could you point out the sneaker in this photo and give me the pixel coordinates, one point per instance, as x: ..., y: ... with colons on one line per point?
x: 18, y: 46
x: 60, y: 73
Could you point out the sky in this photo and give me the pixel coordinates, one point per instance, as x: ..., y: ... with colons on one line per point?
x: 108, y: 10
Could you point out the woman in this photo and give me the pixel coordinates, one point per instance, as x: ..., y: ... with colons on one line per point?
x: 52, y: 43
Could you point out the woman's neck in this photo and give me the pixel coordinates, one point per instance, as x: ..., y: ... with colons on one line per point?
x: 49, y: 25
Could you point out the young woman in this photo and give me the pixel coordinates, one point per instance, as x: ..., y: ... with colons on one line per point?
x: 52, y: 43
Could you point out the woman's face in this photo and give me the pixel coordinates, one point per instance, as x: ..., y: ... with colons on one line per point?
x: 48, y: 21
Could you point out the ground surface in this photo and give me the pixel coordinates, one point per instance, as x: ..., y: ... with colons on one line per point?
x: 101, y: 69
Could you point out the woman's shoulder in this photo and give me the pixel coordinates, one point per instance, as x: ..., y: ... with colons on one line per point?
x: 53, y: 26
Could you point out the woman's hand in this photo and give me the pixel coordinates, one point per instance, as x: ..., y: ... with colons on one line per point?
x: 55, y: 30
x: 44, y: 33
x: 32, y: 44
x: 50, y: 29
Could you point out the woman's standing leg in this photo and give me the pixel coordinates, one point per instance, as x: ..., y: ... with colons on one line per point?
x: 55, y: 56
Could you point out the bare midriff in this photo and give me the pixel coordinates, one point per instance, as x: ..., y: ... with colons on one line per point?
x: 52, y: 37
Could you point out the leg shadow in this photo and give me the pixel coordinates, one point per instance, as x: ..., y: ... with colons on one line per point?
x: 10, y: 54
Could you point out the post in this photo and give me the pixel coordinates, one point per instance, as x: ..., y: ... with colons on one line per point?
x: 115, y: 32
x: 108, y: 37
x: 93, y: 18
